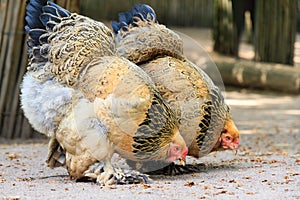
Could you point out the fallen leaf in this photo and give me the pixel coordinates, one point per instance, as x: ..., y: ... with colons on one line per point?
x: 256, y: 160
x: 287, y: 181
x: 238, y: 184
x: 207, y: 187
x: 291, y: 173
x: 13, y: 156
x: 273, y: 161
x: 12, y: 198
x: 276, y: 165
x: 2, y: 180
x: 146, y: 186
x: 52, y: 181
x: 250, y: 193
x: 219, y: 187
x: 221, y: 192
x: 256, y: 166
x: 26, y: 179
x: 246, y: 177
x: 189, y: 184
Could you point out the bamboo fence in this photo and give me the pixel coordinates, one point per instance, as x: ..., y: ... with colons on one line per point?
x: 195, y: 13
x: 13, y: 62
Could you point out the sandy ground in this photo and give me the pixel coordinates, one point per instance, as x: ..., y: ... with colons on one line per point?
x: 267, y: 165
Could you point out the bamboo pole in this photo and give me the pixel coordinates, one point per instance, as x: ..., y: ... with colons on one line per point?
x: 13, y: 62
x: 5, y: 60
x: 275, y: 31
x: 10, y: 98
x: 19, y: 66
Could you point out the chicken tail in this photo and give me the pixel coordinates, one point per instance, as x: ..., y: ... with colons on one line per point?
x: 139, y: 11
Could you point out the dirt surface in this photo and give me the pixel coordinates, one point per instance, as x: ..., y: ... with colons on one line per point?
x: 267, y: 165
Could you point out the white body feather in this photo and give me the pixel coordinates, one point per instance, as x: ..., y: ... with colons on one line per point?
x: 45, y: 103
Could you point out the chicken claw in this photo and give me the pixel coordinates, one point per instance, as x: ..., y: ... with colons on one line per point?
x: 107, y: 176
x: 101, y: 174
x: 130, y: 177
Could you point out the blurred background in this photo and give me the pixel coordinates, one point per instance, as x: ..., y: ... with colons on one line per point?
x: 255, y: 44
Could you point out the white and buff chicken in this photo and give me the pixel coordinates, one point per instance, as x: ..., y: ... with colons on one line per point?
x: 89, y: 101
x: 206, y: 123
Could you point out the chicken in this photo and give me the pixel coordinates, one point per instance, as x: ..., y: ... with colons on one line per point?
x: 206, y: 123
x: 90, y: 102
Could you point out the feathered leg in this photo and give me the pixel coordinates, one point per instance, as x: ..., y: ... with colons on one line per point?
x: 56, y: 154
x: 104, y: 174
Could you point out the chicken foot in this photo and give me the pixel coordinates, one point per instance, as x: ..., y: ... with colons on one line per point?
x: 56, y: 154
x: 104, y: 174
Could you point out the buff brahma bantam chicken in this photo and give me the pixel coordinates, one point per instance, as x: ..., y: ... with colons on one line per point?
x: 206, y: 123
x: 89, y: 101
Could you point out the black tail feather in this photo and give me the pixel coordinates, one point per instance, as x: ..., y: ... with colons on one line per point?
x: 51, y: 10
x: 33, y: 12
x: 42, y: 16
x: 41, y: 12
x: 141, y: 11
x: 48, y: 18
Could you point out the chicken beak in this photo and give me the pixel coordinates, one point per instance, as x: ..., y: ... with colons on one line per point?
x: 235, y: 150
x: 182, y: 161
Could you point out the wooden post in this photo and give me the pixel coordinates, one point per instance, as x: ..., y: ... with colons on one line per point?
x: 275, y: 31
x: 224, y: 30
x: 272, y: 76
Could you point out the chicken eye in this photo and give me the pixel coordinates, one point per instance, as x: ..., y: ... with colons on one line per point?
x: 228, y: 138
x: 177, y: 148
